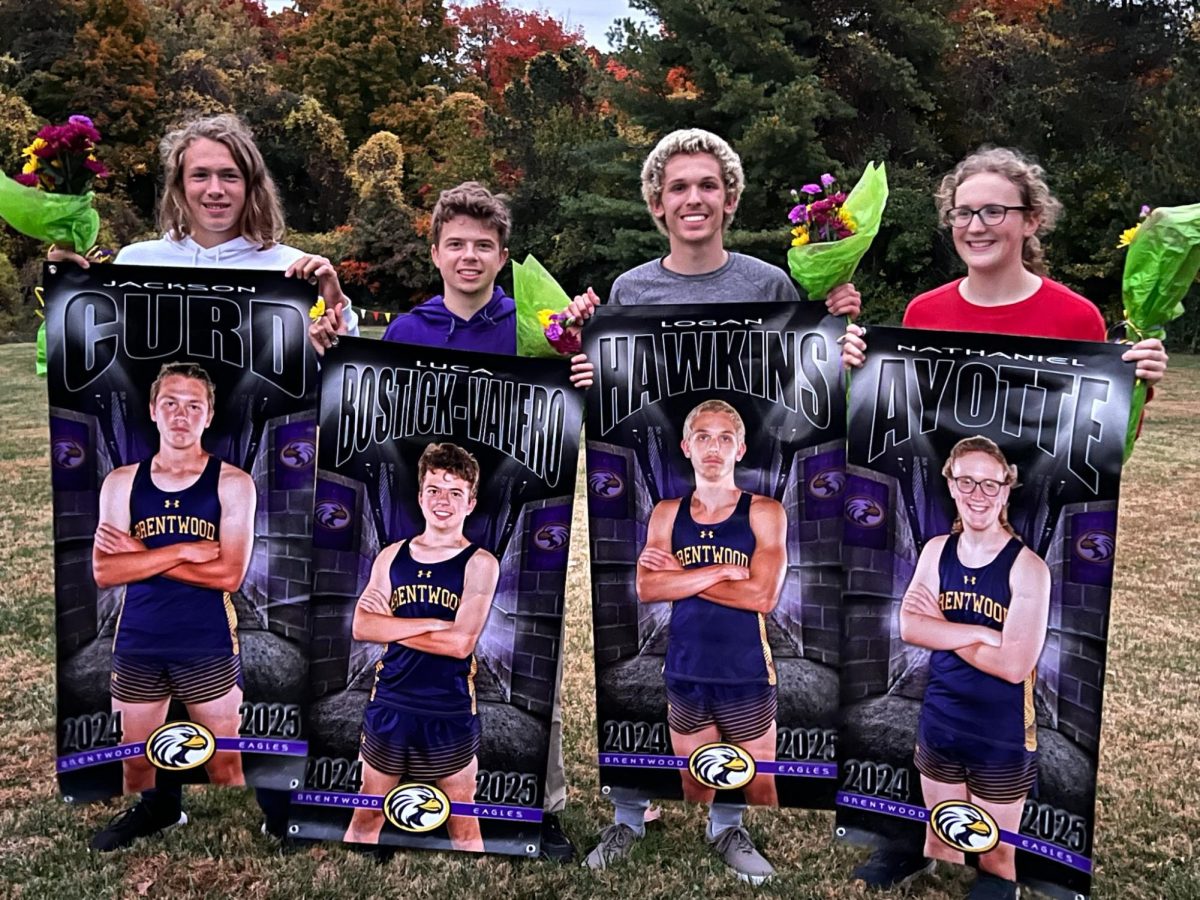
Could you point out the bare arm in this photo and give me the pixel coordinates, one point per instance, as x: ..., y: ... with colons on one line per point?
x: 118, y: 558
x: 479, y: 587
x: 921, y: 619
x: 660, y: 577
x: 1024, y: 631
x: 760, y: 592
x: 373, y: 619
x: 238, y: 497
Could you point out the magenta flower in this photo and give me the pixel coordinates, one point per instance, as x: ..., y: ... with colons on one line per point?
x: 29, y: 180
x: 811, y: 189
x: 827, y: 179
x: 798, y: 214
x: 554, y: 332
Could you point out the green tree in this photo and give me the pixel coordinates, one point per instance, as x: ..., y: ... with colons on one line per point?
x: 356, y: 56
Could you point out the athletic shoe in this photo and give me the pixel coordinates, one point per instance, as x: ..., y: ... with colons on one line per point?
x: 616, y: 843
x: 993, y: 887
x: 738, y: 852
x: 556, y: 846
x: 136, y: 822
x: 890, y: 868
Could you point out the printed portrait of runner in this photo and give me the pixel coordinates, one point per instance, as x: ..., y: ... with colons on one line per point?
x: 177, y: 531
x: 979, y: 600
x: 718, y: 557
x: 427, y: 599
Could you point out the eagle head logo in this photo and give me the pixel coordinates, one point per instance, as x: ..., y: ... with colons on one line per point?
x: 416, y: 807
x: 331, y: 515
x: 721, y: 765
x: 180, y: 745
x: 551, y: 536
x: 964, y: 826
x: 66, y: 453
x: 864, y: 512
x: 1096, y: 546
x: 827, y: 484
x: 298, y: 454
x: 605, y: 484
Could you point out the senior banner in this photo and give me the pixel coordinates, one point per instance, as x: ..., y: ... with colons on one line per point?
x: 182, y: 444
x: 442, y: 527
x: 981, y: 515
x: 715, y: 456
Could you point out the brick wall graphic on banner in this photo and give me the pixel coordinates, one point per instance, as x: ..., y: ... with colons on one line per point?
x: 442, y: 526
x: 716, y: 469
x: 980, y: 523
x: 182, y: 522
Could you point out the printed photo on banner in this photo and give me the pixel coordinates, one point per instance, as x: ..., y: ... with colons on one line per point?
x: 715, y: 455
x: 981, y: 499
x: 442, y: 528
x: 182, y: 433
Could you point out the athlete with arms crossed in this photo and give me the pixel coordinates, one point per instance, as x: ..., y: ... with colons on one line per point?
x: 427, y: 599
x: 979, y: 599
x: 177, y: 531
x: 718, y: 556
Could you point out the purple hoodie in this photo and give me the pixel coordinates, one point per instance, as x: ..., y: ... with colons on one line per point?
x: 493, y: 329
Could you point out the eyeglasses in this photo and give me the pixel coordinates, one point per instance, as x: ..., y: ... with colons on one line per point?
x: 992, y: 214
x: 966, y: 485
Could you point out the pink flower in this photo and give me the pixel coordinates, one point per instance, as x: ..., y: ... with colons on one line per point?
x: 827, y: 179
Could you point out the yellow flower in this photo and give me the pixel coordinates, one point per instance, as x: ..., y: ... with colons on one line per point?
x: 30, y: 166
x: 848, y: 219
x: 32, y: 149
x: 544, y: 317
x: 318, y: 309
x: 801, y: 239
x: 1127, y: 236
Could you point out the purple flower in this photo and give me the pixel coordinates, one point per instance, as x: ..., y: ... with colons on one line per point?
x: 811, y: 189
x: 1145, y: 211
x: 827, y: 179
x: 554, y: 331
x: 798, y: 214
x: 81, y: 120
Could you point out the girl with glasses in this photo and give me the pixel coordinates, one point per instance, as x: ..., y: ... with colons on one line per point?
x: 979, y: 601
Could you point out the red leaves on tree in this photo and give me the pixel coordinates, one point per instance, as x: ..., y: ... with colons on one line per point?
x: 496, y: 41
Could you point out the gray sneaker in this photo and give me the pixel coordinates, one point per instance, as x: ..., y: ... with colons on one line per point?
x: 737, y: 851
x: 616, y: 842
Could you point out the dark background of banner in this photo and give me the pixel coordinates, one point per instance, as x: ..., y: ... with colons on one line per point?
x: 898, y: 500
x: 370, y: 501
x: 637, y: 462
x: 99, y: 420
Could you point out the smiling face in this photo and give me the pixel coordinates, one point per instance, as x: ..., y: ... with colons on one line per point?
x: 714, y: 446
x: 181, y: 411
x: 694, y: 201
x: 445, y: 500
x: 469, y: 257
x: 988, y: 249
x: 214, y: 191
x: 978, y: 511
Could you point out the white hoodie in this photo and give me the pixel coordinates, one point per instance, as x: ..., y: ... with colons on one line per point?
x: 238, y: 253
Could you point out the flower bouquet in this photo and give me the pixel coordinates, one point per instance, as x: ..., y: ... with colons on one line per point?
x: 51, y: 199
x: 543, y: 327
x: 1163, y: 259
x: 831, y: 233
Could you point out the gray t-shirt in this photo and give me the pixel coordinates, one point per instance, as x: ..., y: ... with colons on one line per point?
x: 742, y: 279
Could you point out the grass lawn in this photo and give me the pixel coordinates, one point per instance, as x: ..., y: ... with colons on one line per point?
x: 1149, y: 792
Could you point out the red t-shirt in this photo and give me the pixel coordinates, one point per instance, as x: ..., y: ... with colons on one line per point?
x: 1053, y: 311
